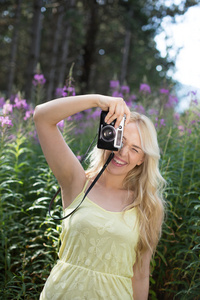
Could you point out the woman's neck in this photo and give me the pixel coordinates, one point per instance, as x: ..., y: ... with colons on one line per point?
x: 111, y: 181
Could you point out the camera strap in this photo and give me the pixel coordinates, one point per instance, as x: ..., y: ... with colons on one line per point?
x: 89, y: 188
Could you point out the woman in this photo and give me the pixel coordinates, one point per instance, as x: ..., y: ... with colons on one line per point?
x: 108, y: 243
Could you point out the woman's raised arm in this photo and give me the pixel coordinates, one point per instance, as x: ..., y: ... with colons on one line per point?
x: 62, y: 161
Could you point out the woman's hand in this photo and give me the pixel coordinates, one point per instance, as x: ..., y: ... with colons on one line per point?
x: 116, y: 108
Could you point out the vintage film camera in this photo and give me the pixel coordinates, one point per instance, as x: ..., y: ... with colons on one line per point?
x: 109, y: 137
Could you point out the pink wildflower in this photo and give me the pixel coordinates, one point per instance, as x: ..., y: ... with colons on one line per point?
x: 95, y: 114
x: 153, y: 111
x: 117, y: 94
x: 28, y: 114
x: 145, y: 88
x: 20, y: 103
x: 2, y: 101
x: 195, y: 101
x: 140, y: 109
x: 7, y: 108
x: 162, y: 122
x: 164, y: 91
x: 172, y: 101
x: 59, y: 92
x: 61, y: 124
x: 125, y: 89
x: 68, y: 91
x: 132, y: 97
x: 39, y: 79
x: 5, y: 121
x: 181, y: 128
x: 114, y: 84
x: 177, y: 116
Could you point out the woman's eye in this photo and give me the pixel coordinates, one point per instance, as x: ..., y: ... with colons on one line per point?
x: 135, y: 150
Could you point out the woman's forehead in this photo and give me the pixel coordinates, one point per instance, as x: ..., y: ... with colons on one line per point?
x: 131, y: 133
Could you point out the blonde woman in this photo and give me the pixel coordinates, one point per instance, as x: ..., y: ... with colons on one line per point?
x: 108, y: 243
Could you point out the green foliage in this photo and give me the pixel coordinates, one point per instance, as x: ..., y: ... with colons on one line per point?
x: 30, y: 238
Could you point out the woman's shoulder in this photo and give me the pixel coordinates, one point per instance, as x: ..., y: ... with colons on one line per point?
x: 73, y: 188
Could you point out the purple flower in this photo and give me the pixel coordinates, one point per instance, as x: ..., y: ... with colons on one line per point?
x: 61, y: 124
x: 189, y: 131
x: 177, y: 116
x: 39, y: 79
x: 59, y: 92
x: 2, y: 101
x: 162, y: 122
x: 172, y: 101
x: 78, y: 131
x: 153, y: 111
x: 128, y: 103
x: 117, y: 94
x: 78, y: 116
x: 164, y: 91
x: 181, y: 128
x: 125, y: 89
x: 71, y: 90
x: 195, y: 101
x: 67, y: 91
x: 20, y: 103
x: 114, y: 84
x: 5, y: 121
x: 145, y: 88
x: 140, y: 109
x: 7, y: 108
x: 70, y: 118
x: 132, y: 97
x: 192, y: 92
x: 28, y: 114
x: 95, y: 114
x: 79, y: 157
x: 88, y: 111
x: 193, y: 122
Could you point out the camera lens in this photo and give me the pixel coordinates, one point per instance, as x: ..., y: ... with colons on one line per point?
x: 108, y: 133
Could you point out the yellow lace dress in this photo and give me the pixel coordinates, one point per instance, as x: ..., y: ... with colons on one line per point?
x: 96, y: 256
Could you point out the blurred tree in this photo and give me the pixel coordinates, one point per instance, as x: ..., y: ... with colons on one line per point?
x: 67, y: 30
x: 34, y: 53
x: 58, y: 17
x: 102, y: 37
x: 92, y: 25
x: 12, y: 65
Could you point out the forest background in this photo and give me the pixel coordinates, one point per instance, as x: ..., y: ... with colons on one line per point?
x: 57, y: 48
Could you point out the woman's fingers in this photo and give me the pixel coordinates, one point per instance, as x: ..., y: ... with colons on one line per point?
x: 117, y: 110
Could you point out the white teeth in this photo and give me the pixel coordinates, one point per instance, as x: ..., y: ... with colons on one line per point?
x: 119, y: 162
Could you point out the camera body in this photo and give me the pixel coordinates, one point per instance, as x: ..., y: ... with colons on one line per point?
x: 109, y: 137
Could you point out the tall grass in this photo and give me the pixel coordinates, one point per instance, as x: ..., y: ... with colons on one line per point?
x: 30, y: 238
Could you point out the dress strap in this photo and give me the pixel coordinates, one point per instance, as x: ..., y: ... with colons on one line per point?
x: 84, y: 188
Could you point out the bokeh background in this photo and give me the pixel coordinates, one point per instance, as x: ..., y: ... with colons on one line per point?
x: 126, y: 48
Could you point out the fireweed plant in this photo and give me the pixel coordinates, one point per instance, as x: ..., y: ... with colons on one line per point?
x: 30, y: 238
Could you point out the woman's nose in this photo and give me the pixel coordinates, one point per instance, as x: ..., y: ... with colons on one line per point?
x: 123, y: 150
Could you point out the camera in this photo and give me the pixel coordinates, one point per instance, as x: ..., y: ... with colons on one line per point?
x: 109, y: 137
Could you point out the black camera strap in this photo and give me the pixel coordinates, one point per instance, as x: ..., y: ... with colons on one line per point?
x: 88, y: 190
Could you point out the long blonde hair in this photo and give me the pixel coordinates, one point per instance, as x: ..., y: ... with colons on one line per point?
x: 146, y: 182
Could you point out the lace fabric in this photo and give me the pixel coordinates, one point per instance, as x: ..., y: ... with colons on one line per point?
x: 96, y: 256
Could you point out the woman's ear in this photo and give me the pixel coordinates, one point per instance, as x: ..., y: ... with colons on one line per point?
x: 141, y: 161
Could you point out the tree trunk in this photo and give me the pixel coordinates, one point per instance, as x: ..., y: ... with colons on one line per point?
x: 65, y: 49
x: 125, y: 56
x: 34, y: 47
x: 12, y: 66
x: 53, y: 62
x: 126, y: 49
x: 90, y: 45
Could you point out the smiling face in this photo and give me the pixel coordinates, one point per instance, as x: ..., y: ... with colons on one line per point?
x: 130, y: 155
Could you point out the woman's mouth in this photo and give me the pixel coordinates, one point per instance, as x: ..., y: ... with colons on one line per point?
x: 118, y: 162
